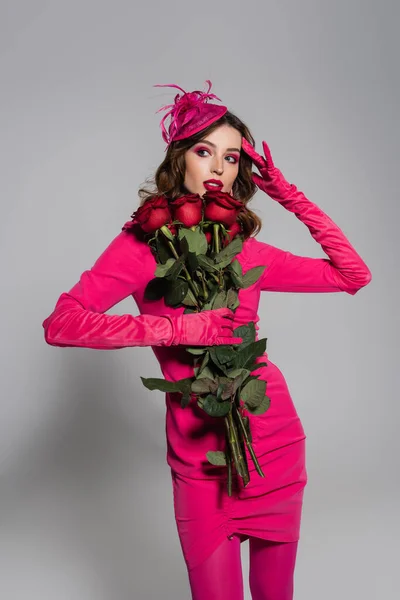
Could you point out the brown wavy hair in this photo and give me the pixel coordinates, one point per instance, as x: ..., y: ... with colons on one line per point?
x: 169, y: 176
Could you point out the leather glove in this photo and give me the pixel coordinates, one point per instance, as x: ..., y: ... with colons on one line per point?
x: 349, y: 270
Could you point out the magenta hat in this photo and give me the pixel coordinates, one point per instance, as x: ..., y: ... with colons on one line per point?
x: 190, y: 113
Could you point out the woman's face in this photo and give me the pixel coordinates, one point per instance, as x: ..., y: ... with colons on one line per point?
x: 215, y: 157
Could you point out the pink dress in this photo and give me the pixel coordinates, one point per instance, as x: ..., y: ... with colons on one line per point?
x: 269, y: 507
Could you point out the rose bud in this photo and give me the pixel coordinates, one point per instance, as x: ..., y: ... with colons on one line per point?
x: 153, y: 214
x: 221, y: 207
x: 233, y: 231
x: 188, y: 209
x: 208, y: 235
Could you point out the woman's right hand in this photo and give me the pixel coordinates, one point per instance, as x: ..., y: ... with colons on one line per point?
x: 205, y: 328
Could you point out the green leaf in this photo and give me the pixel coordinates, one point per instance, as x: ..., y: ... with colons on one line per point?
x: 247, y: 333
x: 205, y: 362
x: 247, y: 356
x: 167, y: 386
x: 176, y: 292
x: 262, y: 408
x: 232, y: 299
x: 209, y: 305
x: 196, y: 239
x: 256, y: 366
x: 220, y: 300
x: 189, y: 299
x: 206, y: 263
x: 236, y: 267
x: 192, y: 262
x: 156, y: 289
x: 224, y: 263
x: 216, y: 457
x: 238, y: 372
x: 214, y: 358
x: 185, y: 399
x: 230, y: 250
x: 214, y: 408
x: 253, y: 393
x: 162, y: 269
x: 225, y: 354
x: 206, y: 372
x: 252, y: 275
x: 227, y: 391
x: 239, y: 379
x: 203, y: 385
x: 220, y: 389
x: 184, y: 246
x: 163, y: 253
x: 236, y: 278
x: 175, y: 269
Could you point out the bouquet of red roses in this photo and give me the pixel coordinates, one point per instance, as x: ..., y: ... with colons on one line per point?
x: 195, y: 240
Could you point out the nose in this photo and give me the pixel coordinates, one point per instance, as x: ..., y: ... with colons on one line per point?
x: 218, y: 168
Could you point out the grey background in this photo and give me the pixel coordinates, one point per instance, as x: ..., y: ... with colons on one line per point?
x: 85, y: 492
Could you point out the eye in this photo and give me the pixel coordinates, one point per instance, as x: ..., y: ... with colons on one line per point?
x: 235, y: 160
x: 201, y: 150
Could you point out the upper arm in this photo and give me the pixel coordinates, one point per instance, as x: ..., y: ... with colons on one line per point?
x: 288, y: 272
x: 115, y: 275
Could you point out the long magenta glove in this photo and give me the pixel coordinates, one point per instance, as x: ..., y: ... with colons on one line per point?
x: 121, y: 271
x: 72, y: 325
x: 345, y: 271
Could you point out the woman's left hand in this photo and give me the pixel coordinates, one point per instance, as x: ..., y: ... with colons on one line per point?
x: 271, y: 181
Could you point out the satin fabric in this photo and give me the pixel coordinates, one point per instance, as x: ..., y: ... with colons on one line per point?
x: 268, y: 507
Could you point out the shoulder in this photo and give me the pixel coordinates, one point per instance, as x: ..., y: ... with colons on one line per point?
x: 257, y: 253
x: 126, y: 248
x: 252, y: 248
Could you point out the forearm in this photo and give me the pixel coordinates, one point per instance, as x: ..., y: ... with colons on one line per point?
x: 350, y: 270
x: 72, y: 325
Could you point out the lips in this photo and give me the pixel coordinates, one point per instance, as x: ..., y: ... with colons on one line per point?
x: 213, y: 184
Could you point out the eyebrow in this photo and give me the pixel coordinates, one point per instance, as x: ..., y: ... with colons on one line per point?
x: 214, y: 146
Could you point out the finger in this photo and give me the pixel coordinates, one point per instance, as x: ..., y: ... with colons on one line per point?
x: 249, y: 149
x: 268, y: 157
x: 258, y: 180
x: 225, y: 313
x: 222, y: 311
x: 229, y: 341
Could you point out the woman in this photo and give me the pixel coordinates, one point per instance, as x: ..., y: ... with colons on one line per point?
x: 210, y: 148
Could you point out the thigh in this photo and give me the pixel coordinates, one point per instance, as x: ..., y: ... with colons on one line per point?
x: 219, y: 576
x: 271, y: 572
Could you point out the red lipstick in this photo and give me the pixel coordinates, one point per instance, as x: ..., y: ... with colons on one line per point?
x: 208, y: 184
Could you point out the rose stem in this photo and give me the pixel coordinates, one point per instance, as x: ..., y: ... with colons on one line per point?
x: 217, y: 248
x: 246, y: 437
x: 242, y: 467
x: 205, y: 290
x: 228, y: 456
x: 216, y: 237
x: 231, y: 440
x: 187, y: 274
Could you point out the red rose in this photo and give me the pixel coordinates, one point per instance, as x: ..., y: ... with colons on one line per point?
x: 188, y: 209
x: 208, y: 235
x: 221, y: 207
x: 233, y: 231
x: 153, y: 214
